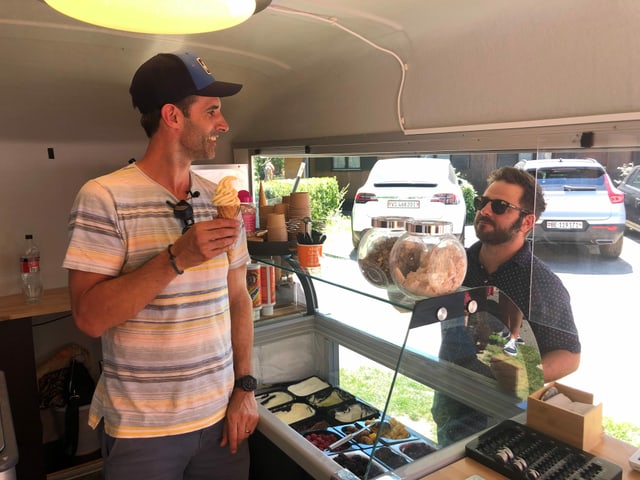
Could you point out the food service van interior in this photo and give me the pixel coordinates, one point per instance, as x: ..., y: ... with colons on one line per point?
x: 484, y: 82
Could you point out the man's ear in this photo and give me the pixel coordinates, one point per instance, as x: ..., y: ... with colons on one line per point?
x: 528, y: 222
x: 171, y: 115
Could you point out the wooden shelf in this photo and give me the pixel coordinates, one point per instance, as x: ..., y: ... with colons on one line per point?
x: 54, y: 300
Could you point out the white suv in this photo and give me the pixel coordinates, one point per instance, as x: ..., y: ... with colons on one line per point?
x: 583, y: 206
x: 416, y: 187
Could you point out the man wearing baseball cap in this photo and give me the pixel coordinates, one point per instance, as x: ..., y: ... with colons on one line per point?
x: 163, y: 283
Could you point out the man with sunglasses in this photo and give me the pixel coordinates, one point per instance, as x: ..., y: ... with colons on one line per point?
x: 163, y: 283
x: 502, y: 257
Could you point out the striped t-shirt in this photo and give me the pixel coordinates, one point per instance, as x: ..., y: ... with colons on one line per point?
x: 168, y: 370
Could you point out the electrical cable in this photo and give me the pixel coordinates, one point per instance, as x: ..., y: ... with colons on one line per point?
x: 52, y: 320
x: 334, y: 21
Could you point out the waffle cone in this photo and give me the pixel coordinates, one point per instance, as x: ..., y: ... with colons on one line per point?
x: 228, y: 211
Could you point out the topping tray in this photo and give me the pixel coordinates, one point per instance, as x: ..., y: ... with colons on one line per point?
x: 324, y: 414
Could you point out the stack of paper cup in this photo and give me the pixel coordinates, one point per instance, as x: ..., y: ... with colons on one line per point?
x: 282, y: 208
x: 263, y: 213
x: 276, y: 227
x: 299, y: 208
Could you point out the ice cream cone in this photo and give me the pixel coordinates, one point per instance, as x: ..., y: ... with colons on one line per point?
x: 228, y: 211
x: 226, y: 198
x: 262, y: 196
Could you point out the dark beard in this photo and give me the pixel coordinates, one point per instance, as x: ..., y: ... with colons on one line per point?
x: 497, y: 236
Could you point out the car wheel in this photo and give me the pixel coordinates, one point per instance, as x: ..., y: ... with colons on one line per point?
x: 611, y: 250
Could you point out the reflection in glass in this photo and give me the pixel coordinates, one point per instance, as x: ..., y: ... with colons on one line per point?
x: 476, y: 384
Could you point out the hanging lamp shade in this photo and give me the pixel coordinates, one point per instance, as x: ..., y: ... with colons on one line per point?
x: 158, y: 16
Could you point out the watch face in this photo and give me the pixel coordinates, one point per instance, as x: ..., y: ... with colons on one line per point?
x: 247, y: 383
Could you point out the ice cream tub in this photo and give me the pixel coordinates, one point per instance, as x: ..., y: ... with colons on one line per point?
x: 364, y: 439
x: 416, y: 449
x: 393, y: 432
x: 353, y: 412
x: 317, y: 422
x: 274, y: 399
x: 326, y: 437
x: 294, y: 412
x: 329, y: 398
x: 389, y: 457
x: 357, y: 462
x: 308, y: 386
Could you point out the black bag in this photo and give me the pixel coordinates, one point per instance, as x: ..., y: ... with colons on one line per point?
x: 79, y: 391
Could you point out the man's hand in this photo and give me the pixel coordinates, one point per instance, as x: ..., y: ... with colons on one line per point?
x: 205, y: 240
x: 241, y: 419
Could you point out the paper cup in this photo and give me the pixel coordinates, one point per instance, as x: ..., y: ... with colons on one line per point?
x: 281, y: 208
x: 263, y: 212
x: 275, y: 220
x: 299, y: 200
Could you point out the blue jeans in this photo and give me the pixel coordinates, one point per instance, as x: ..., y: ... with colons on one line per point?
x: 190, y: 456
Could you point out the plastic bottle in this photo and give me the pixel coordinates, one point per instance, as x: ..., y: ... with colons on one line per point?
x: 30, y: 270
x: 248, y: 211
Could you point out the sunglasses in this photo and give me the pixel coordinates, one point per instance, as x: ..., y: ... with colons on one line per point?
x: 184, y: 212
x: 497, y: 206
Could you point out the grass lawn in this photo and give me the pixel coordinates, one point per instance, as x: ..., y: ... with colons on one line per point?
x: 411, y: 401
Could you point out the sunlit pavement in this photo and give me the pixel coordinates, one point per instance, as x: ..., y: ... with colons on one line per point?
x: 603, y: 297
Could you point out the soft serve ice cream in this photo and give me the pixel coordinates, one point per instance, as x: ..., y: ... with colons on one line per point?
x: 225, y: 199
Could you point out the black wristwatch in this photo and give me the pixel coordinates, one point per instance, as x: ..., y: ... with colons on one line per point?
x: 246, y: 383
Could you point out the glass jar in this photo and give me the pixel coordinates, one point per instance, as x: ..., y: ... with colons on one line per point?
x: 375, y: 246
x: 428, y: 260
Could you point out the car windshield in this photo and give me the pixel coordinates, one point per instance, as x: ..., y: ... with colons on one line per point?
x: 568, y: 178
x: 419, y: 172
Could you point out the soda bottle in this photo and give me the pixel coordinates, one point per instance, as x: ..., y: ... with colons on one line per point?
x: 248, y: 211
x: 30, y: 270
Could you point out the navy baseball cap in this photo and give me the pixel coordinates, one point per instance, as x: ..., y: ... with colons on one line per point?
x: 170, y: 77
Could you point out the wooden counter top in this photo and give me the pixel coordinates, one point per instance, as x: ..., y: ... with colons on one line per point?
x: 614, y: 450
x: 54, y: 300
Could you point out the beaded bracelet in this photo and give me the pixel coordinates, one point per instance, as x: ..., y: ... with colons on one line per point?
x: 172, y: 260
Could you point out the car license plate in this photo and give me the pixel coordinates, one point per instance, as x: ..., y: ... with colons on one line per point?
x: 559, y: 225
x: 403, y: 204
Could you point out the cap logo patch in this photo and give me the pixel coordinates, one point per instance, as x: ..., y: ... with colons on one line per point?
x: 203, y: 65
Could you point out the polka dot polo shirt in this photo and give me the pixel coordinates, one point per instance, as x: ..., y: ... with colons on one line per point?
x: 550, y: 317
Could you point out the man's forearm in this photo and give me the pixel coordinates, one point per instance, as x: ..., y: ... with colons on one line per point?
x: 559, y: 363
x: 241, y: 310
x: 100, y: 302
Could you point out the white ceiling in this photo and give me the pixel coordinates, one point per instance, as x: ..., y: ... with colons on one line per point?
x: 75, y: 76
x: 51, y: 63
x: 62, y: 79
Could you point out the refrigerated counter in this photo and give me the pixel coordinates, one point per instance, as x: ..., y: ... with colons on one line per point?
x: 451, y: 346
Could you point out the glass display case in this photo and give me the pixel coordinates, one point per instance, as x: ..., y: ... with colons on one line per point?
x: 368, y: 383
